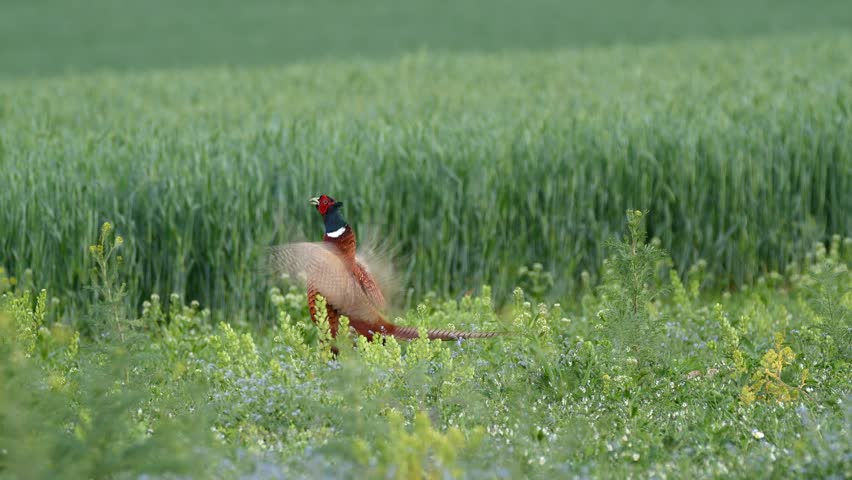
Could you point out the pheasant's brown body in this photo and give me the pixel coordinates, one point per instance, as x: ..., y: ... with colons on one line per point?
x: 345, y: 247
x: 333, y: 269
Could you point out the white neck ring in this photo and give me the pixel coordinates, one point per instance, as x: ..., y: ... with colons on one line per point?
x: 337, y: 233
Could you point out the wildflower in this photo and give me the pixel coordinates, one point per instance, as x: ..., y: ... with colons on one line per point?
x: 757, y: 434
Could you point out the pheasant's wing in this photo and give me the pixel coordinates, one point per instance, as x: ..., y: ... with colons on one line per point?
x: 371, y: 288
x: 320, y: 266
x: 383, y: 284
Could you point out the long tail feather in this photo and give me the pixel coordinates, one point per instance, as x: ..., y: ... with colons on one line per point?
x: 410, y: 333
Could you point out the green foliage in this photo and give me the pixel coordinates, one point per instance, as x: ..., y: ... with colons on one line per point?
x: 766, y: 382
x: 535, y: 281
x: 422, y: 453
x: 183, y: 394
x: 730, y: 340
x: 109, y: 293
x: 70, y: 410
x: 473, y: 165
x: 6, y: 282
x: 629, y: 323
x: 828, y: 280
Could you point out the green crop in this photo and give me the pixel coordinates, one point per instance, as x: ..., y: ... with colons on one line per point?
x: 469, y: 166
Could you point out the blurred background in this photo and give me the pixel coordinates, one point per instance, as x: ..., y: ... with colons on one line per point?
x: 54, y: 36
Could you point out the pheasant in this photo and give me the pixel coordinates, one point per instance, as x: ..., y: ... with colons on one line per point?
x: 334, y: 270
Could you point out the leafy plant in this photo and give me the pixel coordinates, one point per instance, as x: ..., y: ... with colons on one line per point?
x: 766, y: 382
x: 629, y: 287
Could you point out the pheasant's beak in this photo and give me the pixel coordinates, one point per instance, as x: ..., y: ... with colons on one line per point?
x: 314, y: 201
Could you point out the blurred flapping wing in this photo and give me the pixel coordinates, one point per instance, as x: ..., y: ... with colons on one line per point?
x: 328, y: 273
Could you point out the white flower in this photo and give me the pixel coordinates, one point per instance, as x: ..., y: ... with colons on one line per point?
x: 757, y: 434
x: 635, y: 457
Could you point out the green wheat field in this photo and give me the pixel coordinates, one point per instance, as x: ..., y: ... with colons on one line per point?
x: 652, y: 201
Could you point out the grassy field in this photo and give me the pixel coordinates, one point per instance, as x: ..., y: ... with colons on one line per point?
x: 471, y: 166
x: 54, y: 36
x: 149, y: 154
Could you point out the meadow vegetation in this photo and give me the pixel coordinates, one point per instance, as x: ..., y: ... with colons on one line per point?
x: 646, y: 374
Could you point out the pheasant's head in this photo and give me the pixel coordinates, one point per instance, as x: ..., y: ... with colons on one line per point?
x: 329, y: 208
x: 325, y: 204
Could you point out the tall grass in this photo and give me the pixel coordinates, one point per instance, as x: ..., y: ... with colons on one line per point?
x: 474, y: 165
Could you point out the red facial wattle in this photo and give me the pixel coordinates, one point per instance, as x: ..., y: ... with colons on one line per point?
x: 324, y: 204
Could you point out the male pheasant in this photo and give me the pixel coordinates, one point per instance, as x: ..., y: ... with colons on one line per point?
x: 333, y: 270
